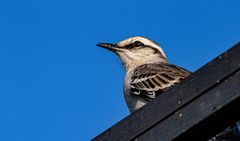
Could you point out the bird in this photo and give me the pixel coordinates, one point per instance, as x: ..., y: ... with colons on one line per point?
x: 149, y: 74
x: 148, y: 71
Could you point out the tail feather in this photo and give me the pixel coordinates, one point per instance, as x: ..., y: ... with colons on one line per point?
x: 229, y: 134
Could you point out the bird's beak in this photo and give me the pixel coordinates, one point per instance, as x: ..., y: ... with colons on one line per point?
x: 109, y: 46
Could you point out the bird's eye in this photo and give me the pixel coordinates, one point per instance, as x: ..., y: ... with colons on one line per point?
x: 138, y: 44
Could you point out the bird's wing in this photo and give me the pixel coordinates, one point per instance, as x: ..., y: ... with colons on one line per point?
x: 152, y: 79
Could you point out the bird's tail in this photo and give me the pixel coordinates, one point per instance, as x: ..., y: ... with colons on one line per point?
x: 229, y: 134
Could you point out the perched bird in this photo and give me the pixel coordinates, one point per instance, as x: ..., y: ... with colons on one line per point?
x: 148, y: 71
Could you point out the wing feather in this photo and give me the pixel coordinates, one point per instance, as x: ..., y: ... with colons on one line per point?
x: 153, y: 79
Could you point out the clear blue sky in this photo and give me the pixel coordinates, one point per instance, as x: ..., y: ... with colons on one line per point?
x: 56, y: 85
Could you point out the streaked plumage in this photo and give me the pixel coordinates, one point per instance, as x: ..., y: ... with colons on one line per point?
x: 149, y: 74
x: 150, y: 80
x: 148, y: 71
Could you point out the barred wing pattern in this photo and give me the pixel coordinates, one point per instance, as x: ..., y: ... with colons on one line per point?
x: 150, y: 80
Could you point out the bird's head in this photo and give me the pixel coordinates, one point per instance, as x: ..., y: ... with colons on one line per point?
x: 136, y: 51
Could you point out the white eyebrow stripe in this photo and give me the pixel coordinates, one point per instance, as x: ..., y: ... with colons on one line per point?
x: 145, y: 41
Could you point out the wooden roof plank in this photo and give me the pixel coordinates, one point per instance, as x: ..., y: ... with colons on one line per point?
x: 203, y: 80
